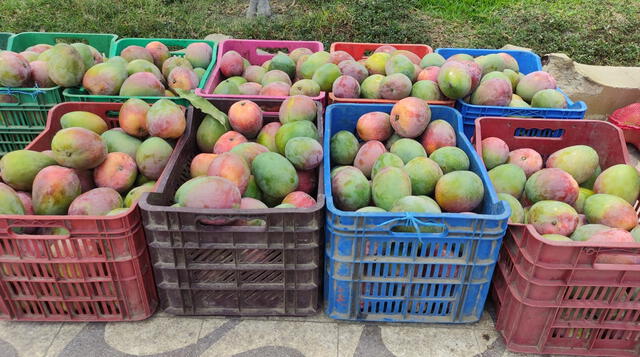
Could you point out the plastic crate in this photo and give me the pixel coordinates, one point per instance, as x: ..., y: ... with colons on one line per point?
x: 4, y: 39
x: 564, y: 297
x: 361, y: 50
x: 631, y: 133
x: 528, y: 62
x: 21, y: 122
x: 175, y: 46
x: 100, y: 271
x: 249, y: 50
x: 376, y: 274
x: 204, y: 269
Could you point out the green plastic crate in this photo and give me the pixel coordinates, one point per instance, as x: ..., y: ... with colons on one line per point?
x: 175, y: 46
x: 26, y: 117
x: 4, y: 39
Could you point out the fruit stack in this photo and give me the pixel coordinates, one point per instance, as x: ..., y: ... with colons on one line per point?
x: 567, y: 281
x: 429, y: 216
x: 246, y: 186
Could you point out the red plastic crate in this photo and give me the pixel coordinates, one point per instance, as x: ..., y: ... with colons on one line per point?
x: 565, y: 297
x: 249, y: 50
x: 631, y: 132
x: 362, y: 50
x: 100, y: 271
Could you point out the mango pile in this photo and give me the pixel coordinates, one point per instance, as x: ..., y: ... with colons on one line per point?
x: 568, y: 197
x: 138, y: 71
x: 495, y: 80
x: 413, y: 163
x: 90, y: 168
x: 256, y: 165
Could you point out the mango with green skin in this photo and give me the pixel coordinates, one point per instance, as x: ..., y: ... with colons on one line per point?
x: 389, y: 185
x: 85, y: 120
x: 325, y: 75
x: 432, y: 59
x: 580, y: 161
x: 494, y: 152
x: 78, y: 148
x: 454, y: 80
x: 292, y: 130
x: 459, y: 191
x: 517, y: 212
x: 284, y: 63
x: 387, y: 159
x: 135, y: 193
x: 584, y: 232
x: 376, y: 63
x: 583, y: 194
x: 140, y: 65
x: 208, y: 192
x: 424, y: 174
x: 344, y: 147
x: 143, y: 84
x: 553, y: 217
x: 315, y: 61
x: 552, y: 184
x: 400, y: 64
x: 274, y: 174
x: 19, y: 168
x: 304, y: 153
x: 450, y: 158
x: 620, y: 180
x: 370, y: 87
x: 209, y: 131
x: 54, y: 188
x: 350, y: 188
x: 611, y: 211
x: 10, y: 202
x: 267, y: 136
x: 408, y: 149
x: 253, y: 190
x: 119, y: 141
x: 548, y: 98
x: 66, y: 66
x: 509, y: 179
x: 152, y: 157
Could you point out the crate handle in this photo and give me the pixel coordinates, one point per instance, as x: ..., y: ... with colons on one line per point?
x: 410, y: 220
x: 209, y: 224
x: 626, y: 262
x: 19, y: 231
x: 14, y: 92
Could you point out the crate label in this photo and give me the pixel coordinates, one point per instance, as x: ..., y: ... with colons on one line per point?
x: 536, y: 132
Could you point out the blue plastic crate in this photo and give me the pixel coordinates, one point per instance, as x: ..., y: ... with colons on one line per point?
x: 527, y: 61
x: 376, y: 274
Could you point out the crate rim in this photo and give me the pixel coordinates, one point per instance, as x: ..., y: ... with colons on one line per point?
x: 12, y: 38
x: 329, y: 195
x: 332, y: 46
x: 581, y: 106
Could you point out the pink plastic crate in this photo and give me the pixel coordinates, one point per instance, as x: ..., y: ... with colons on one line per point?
x: 249, y: 50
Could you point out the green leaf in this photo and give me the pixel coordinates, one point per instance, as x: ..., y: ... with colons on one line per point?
x: 205, y: 106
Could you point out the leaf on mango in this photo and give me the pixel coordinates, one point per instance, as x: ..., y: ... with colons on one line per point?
x: 205, y: 106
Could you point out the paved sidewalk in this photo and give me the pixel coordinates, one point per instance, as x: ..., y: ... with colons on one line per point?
x: 165, y: 335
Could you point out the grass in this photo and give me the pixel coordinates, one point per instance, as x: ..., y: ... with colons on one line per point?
x: 590, y: 31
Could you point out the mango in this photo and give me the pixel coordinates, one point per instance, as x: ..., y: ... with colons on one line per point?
x: 208, y: 133
x: 152, y: 156
x: 370, y: 87
x: 583, y: 194
x: 295, y: 129
x: 556, y: 237
x: 432, y: 59
x: 19, y: 168
x: 346, y: 87
x: 410, y: 117
x: 118, y: 171
x: 454, y: 80
x: 283, y: 63
x: 585, y: 232
x: 143, y: 84
x: 580, y: 161
x: 611, y: 211
x: 426, y: 90
x: 276, y: 89
x: 119, y: 141
x: 528, y: 159
x: 199, y: 54
x: 40, y: 74
x: 78, y: 148
x: 208, y: 192
x: 552, y: 184
x: 104, y: 79
x: 252, y: 190
x: 490, y: 63
x: 385, y: 160
x: 400, y: 64
x: 344, y: 147
x: 249, y: 150
x: 395, y: 86
x: 66, y: 66
x: 495, y: 152
x: 450, y: 158
x: 140, y: 65
x: 534, y: 82
x: 619, y: 180
x: 509, y: 179
x: 231, y: 64
x: 15, y: 70
x: 296, y: 108
x: 165, y: 119
x: 275, y: 76
x: 131, y: 53
x: 459, y: 191
x: 299, y: 199
x: 254, y: 74
x: 367, y: 156
x: 376, y: 63
x: 274, y: 174
x: 390, y: 185
x: 429, y: 74
x: 54, y: 188
x: 159, y: 51
x: 307, y: 181
x: 306, y: 87
x: 424, y: 174
x: 354, y: 69
x: 304, y: 153
x: 553, y: 217
x: 494, y: 92
x: 517, y: 212
x: 200, y: 164
x: 438, y: 134
x: 10, y: 202
x: 85, y: 120
x: 97, y: 202
x: 374, y: 126
x: 325, y: 75
x: 370, y: 209
x: 232, y: 167
x: 548, y: 98
x: 267, y: 136
x: 313, y: 63
x: 172, y: 63
x: 408, y: 149
x: 299, y: 52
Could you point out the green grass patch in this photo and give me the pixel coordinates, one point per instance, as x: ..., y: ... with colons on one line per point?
x: 590, y: 31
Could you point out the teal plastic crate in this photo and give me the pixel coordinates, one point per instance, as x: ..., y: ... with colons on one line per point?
x: 4, y: 39
x: 176, y: 46
x: 25, y: 117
